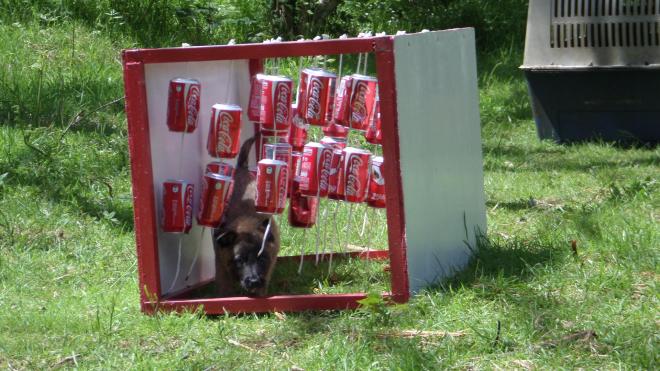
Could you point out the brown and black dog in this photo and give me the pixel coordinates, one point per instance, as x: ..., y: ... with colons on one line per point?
x: 237, y: 241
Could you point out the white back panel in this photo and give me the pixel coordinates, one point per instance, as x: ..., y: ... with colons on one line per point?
x: 222, y: 82
x: 440, y: 144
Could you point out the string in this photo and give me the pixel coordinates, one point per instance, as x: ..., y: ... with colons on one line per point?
x: 302, y: 250
x: 369, y: 236
x: 263, y: 242
x: 364, y: 221
x: 366, y: 61
x: 348, y: 226
x: 178, y: 268
x: 192, y: 265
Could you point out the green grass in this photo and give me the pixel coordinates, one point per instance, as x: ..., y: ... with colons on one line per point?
x: 68, y: 279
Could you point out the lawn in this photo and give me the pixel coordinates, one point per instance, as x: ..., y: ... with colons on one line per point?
x: 566, y: 279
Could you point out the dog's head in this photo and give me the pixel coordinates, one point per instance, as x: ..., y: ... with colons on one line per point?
x: 239, y: 244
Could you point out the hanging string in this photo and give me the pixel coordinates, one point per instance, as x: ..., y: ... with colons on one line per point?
x: 178, y: 269
x: 192, y: 265
x: 263, y: 242
x: 302, y: 250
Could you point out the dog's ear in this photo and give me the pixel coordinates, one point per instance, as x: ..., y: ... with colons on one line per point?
x: 225, y: 238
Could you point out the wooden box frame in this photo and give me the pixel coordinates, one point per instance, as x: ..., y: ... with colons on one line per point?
x: 466, y: 184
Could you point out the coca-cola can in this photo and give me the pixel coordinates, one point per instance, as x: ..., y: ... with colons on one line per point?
x: 215, y: 194
x: 296, y: 162
x: 297, y: 132
x: 224, y: 131
x: 374, y: 135
x: 278, y: 151
x: 222, y: 168
x: 341, y: 113
x: 354, y: 185
x: 183, y: 101
x: 315, y: 169
x: 254, y: 104
x: 269, y: 137
x: 376, y: 194
x: 302, y: 92
x: 303, y: 210
x: 335, y: 174
x: 335, y: 131
x: 334, y: 143
x: 272, y: 186
x: 319, y: 96
x: 177, y: 212
x: 275, y: 109
x: 363, y: 99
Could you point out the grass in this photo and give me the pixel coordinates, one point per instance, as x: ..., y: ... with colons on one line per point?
x: 68, y: 279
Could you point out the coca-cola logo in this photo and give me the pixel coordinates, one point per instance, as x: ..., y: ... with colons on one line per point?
x: 283, y: 184
x: 326, y: 168
x: 359, y: 109
x: 353, y: 182
x: 192, y: 102
x: 314, y: 100
x: 282, y: 94
x: 225, y: 120
x: 189, y: 205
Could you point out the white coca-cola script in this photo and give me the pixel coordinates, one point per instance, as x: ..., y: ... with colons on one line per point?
x: 282, y: 94
x: 314, y: 100
x: 353, y: 184
x: 191, y: 106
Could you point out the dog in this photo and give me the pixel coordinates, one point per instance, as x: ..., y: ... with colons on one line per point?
x: 240, y: 269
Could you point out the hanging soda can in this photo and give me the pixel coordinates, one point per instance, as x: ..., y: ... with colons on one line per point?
x: 254, y: 104
x: 319, y: 97
x: 278, y: 151
x: 334, y: 143
x: 272, y: 187
x: 269, y: 137
x: 374, y: 135
x: 224, y: 131
x: 335, y: 174
x: 354, y: 184
x: 177, y: 198
x: 335, y: 131
x: 296, y: 162
x: 302, y: 92
x: 303, y: 210
x: 341, y: 113
x: 376, y: 196
x: 215, y: 194
x: 183, y: 105
x: 275, y: 105
x: 222, y: 168
x: 297, y: 131
x: 363, y: 98
x: 315, y: 169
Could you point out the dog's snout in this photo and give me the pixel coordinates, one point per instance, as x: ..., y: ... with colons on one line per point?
x: 253, y: 282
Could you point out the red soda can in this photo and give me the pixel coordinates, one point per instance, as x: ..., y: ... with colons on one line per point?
x: 363, y: 99
x: 335, y: 131
x: 302, y: 92
x: 341, y: 113
x: 215, y: 194
x: 334, y: 143
x: 224, y: 131
x: 354, y: 185
x: 296, y: 161
x: 315, y: 170
x: 275, y: 113
x: 177, y: 206
x: 335, y: 174
x: 373, y: 134
x: 278, y: 151
x: 297, y: 132
x: 183, y: 101
x: 222, y: 168
x: 254, y: 105
x: 376, y: 195
x: 303, y: 210
x: 319, y: 96
x: 272, y: 187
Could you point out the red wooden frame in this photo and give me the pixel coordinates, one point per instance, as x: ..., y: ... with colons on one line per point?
x: 145, y: 218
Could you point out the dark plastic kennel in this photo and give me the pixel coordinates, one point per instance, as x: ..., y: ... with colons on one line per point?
x: 593, y: 69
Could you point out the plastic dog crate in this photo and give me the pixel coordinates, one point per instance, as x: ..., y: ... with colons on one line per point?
x: 431, y: 143
x: 593, y: 68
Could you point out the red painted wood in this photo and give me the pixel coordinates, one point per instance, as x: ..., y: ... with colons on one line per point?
x: 252, y: 51
x: 144, y: 207
x: 396, y: 221
x: 285, y: 303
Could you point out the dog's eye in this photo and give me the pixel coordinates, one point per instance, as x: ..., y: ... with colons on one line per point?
x: 239, y: 259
